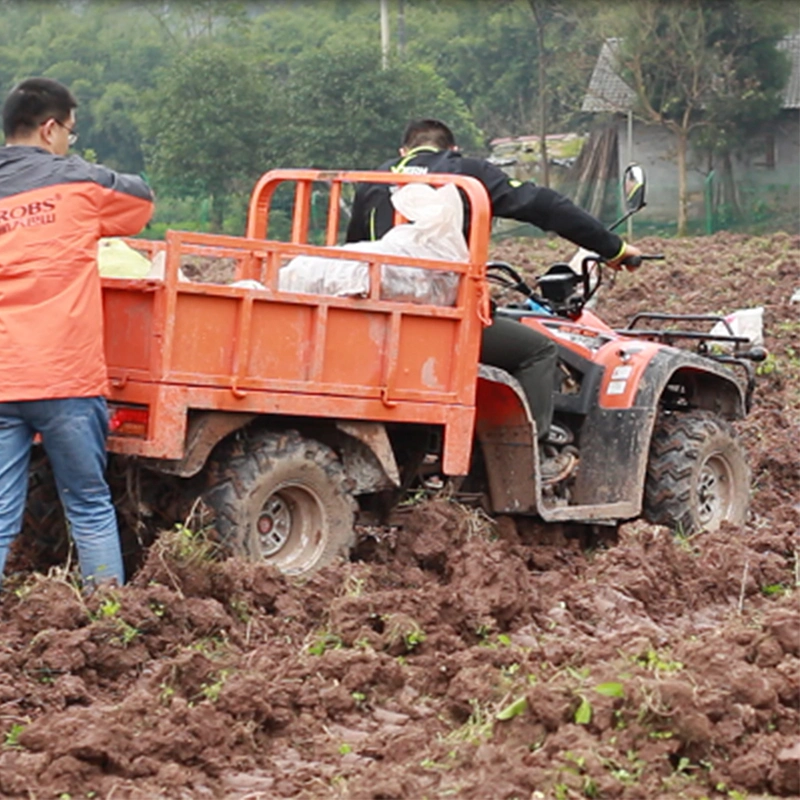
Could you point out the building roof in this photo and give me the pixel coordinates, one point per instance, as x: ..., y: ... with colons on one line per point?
x: 608, y: 92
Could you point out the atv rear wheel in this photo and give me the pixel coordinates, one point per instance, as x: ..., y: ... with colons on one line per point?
x: 697, y: 474
x: 283, y: 499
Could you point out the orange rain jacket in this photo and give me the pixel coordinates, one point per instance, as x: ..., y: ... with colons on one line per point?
x: 53, y: 210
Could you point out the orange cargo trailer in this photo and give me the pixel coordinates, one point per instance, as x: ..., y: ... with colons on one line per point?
x: 191, y: 364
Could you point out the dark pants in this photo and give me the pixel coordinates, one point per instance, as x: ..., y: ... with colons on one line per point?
x: 530, y: 357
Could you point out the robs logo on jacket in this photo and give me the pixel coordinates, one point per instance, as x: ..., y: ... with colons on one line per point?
x: 28, y: 215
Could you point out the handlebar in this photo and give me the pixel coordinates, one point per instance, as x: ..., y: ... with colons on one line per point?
x: 636, y: 261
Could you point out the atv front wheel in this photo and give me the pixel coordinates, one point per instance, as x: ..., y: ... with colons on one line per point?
x: 697, y: 474
x: 283, y: 499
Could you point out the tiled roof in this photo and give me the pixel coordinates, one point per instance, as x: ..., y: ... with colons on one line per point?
x: 608, y: 92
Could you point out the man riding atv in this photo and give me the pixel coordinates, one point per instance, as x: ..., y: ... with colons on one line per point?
x: 429, y: 146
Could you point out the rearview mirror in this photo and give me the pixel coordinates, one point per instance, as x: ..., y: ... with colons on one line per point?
x: 633, y: 185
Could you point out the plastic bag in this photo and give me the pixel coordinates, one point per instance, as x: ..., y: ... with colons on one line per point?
x: 747, y: 322
x: 116, y: 259
x: 434, y: 231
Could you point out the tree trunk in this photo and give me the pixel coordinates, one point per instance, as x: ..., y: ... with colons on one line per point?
x: 683, y: 144
x: 217, y: 219
x: 730, y: 191
x: 401, y: 29
x: 545, y: 170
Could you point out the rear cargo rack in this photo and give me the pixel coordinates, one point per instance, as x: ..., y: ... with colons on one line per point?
x: 673, y: 335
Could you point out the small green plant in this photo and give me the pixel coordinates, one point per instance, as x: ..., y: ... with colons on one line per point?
x: 158, y: 608
x: 561, y: 791
x: 186, y: 545
x: 583, y: 713
x: 127, y: 632
x: 358, y: 697
x: 212, y: 690
x: 626, y: 773
x: 413, y: 497
x: 774, y: 589
x: 344, y: 749
x: 653, y: 661
x: 405, y: 629
x: 511, y: 670
x: 323, y: 641
x: 110, y: 607
x: 513, y: 709
x: 11, y: 740
x: 768, y: 365
x: 611, y: 689
x: 732, y: 793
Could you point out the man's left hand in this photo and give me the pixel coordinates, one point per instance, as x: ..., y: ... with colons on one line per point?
x: 630, y: 258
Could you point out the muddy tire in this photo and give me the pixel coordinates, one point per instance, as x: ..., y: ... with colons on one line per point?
x: 697, y: 474
x: 283, y: 499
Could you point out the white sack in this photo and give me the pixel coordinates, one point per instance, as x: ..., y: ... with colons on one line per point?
x: 434, y: 231
x: 748, y: 322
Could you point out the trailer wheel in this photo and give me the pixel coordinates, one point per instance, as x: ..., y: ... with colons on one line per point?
x: 282, y: 499
x: 697, y: 474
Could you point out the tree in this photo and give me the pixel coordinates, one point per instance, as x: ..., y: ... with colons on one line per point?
x: 207, y: 124
x: 747, y: 94
x: 107, y: 60
x: 339, y: 109
x: 681, y: 59
x: 489, y: 54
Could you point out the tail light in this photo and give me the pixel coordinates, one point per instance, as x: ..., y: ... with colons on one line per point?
x: 128, y: 420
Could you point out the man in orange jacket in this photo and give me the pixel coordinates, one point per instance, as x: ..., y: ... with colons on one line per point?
x: 53, y: 210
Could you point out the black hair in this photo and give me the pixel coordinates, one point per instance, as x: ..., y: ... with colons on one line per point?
x: 430, y: 132
x: 32, y: 102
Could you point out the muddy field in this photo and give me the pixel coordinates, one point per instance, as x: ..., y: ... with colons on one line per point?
x: 455, y: 656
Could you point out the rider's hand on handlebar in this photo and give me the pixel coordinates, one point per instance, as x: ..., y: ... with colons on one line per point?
x: 630, y: 258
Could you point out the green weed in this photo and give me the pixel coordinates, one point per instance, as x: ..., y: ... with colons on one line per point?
x: 653, y: 661
x: 11, y: 740
x: 322, y: 642
x: 583, y: 713
x: 212, y: 690
x: 513, y: 709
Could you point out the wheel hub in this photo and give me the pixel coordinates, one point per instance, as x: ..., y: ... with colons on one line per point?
x: 713, y: 491
x: 274, y: 525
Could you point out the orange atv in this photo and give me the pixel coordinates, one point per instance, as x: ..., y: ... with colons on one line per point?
x: 289, y: 415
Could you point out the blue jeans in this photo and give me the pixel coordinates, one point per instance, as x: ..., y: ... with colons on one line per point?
x: 73, y: 431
